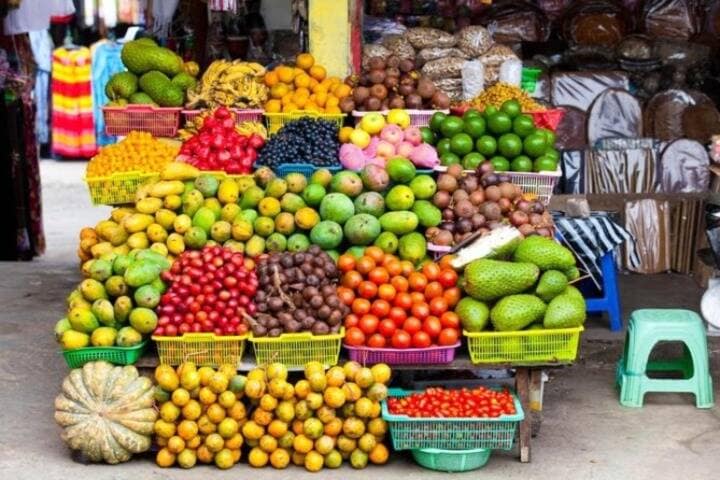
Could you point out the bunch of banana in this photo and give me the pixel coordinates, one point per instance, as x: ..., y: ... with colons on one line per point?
x: 232, y: 84
x: 249, y: 127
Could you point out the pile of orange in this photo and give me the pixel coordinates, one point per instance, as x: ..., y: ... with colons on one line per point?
x: 139, y: 151
x: 304, y: 86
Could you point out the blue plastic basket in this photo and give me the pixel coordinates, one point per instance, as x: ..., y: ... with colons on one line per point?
x: 304, y: 168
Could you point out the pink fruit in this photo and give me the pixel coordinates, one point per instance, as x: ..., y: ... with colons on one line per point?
x: 392, y: 134
x: 377, y: 161
x: 413, y: 135
x: 404, y: 149
x: 385, y: 149
x: 371, y: 150
x: 352, y: 157
x: 424, y: 156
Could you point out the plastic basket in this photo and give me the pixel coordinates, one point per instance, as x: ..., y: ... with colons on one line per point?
x: 403, y: 356
x: 297, y: 349
x: 117, y: 188
x: 409, y: 433
x: 451, y: 460
x: 159, y: 121
x: 116, y: 355
x: 275, y: 121
x: 549, y: 118
x: 525, y: 346
x: 438, y: 250
x: 241, y: 115
x: 202, y: 348
x: 304, y: 168
x: 540, y: 185
x: 418, y: 118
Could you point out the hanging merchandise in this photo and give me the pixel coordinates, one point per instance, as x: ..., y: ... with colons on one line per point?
x: 73, y: 129
x: 30, y: 16
x: 223, y: 5
x: 41, y: 44
x: 105, y: 63
x: 162, y: 14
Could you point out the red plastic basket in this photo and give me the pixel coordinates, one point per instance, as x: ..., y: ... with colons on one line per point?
x: 549, y: 119
x: 403, y: 356
x: 241, y: 115
x: 159, y: 121
x: 418, y: 118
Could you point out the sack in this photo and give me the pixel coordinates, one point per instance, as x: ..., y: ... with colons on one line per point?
x: 444, y: 68
x: 372, y: 51
x: 474, y: 40
x: 473, y: 79
x: 399, y: 46
x: 493, y: 59
x: 435, y: 53
x: 423, y: 37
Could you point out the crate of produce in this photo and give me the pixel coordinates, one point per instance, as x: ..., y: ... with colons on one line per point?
x: 525, y: 346
x: 241, y: 115
x: 418, y: 118
x: 435, y: 355
x: 304, y: 168
x: 297, y: 349
x: 117, y: 188
x: 202, y: 348
x: 275, y: 121
x: 539, y: 186
x: 78, y: 357
x: 412, y: 433
x: 451, y: 460
x: 159, y: 121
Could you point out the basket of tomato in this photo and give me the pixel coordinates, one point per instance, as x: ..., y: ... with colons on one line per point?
x: 452, y: 419
x: 399, y: 315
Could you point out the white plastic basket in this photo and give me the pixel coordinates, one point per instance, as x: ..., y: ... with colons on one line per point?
x: 418, y: 118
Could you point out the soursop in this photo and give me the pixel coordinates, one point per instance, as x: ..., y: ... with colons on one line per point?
x: 487, y: 279
x: 544, y: 252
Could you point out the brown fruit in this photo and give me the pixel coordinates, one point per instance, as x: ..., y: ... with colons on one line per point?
x: 360, y: 94
x: 446, y: 182
x: 373, y: 104
x: 391, y: 83
x: 396, y: 102
x: 347, y: 105
x: 379, y: 91
x: 456, y: 170
x: 376, y: 76
x: 413, y: 101
x: 440, y: 100
x: 393, y: 61
x: 406, y: 65
x: 376, y: 63
x: 441, y: 199
x: 426, y: 88
x: 392, y: 72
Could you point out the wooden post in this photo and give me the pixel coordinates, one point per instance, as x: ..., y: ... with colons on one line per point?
x: 522, y: 385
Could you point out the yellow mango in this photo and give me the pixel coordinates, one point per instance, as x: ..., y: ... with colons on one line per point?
x: 160, y: 248
x: 138, y: 240
x: 103, y: 226
x: 169, y: 187
x: 182, y: 223
x: 179, y: 171
x: 116, y: 235
x: 228, y: 191
x: 156, y: 233
x: 87, y: 243
x: 149, y: 205
x: 172, y: 202
x: 175, y: 243
x: 118, y: 214
x: 137, y: 222
x: 121, y: 249
x: 100, y: 249
x: 165, y: 218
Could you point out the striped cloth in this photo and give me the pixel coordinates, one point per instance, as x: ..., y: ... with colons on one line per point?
x: 73, y: 127
x: 591, y: 238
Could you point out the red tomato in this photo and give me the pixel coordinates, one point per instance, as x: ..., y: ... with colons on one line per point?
x: 386, y: 327
x: 407, y: 267
x: 400, y: 283
x: 448, y: 278
x: 420, y: 310
x: 351, y: 279
x: 433, y: 290
x: 351, y: 320
x: 367, y: 289
x: 421, y: 340
x: 452, y: 296
x: 432, y: 326
x: 438, y: 306
x: 412, y: 325
x: 368, y: 324
x: 397, y: 315
x: 417, y: 281
x: 380, y: 308
x: 376, y: 341
x: 364, y: 264
x: 448, y: 336
x: 354, y: 337
x: 376, y: 253
x: 393, y: 267
x: 360, y: 306
x: 379, y: 275
x: 403, y: 300
x: 450, y: 320
x: 345, y: 295
x: 431, y: 271
x: 346, y: 262
x: 401, y: 339
x: 386, y: 291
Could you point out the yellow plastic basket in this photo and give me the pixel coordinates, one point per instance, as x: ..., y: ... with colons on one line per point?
x: 297, y: 349
x: 524, y: 347
x: 275, y: 121
x: 117, y: 188
x: 201, y: 348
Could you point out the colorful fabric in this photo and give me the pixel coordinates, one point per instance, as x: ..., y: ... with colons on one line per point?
x: 105, y: 63
x: 73, y: 127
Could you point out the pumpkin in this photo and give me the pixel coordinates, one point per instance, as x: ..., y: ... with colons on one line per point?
x: 106, y: 412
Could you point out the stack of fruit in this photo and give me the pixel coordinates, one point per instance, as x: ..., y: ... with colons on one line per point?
x: 218, y: 146
x: 227, y: 83
x: 483, y: 201
x: 304, y: 87
x: 201, y: 411
x: 376, y: 139
x: 119, y: 290
x: 496, y: 95
x: 210, y: 290
x: 527, y: 288
x: 325, y: 418
x: 297, y: 292
x: 155, y: 76
x: 394, y: 306
x: 195, y: 123
x: 310, y: 141
x: 507, y: 137
x: 138, y: 152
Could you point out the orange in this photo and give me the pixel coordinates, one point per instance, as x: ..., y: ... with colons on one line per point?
x: 297, y: 71
x: 305, y: 61
x: 318, y: 72
x: 285, y: 73
x: 333, y: 109
x: 271, y: 78
x: 273, y: 106
x: 379, y: 454
x: 290, y: 107
x: 279, y: 90
x: 302, y: 80
x: 334, y: 80
x: 287, y: 98
x: 313, y: 83
x: 341, y: 91
x: 321, y: 98
x: 344, y: 137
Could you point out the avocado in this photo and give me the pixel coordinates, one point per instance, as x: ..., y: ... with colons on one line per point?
x: 159, y: 87
x: 473, y: 314
x: 412, y: 247
x: 487, y: 279
x: 515, y: 312
x: 544, y: 252
x: 566, y: 310
x: 552, y: 283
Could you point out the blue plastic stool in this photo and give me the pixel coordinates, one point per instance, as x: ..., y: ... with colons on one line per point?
x: 610, y: 300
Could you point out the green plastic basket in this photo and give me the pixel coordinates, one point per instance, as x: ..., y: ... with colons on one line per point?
x: 118, y: 188
x: 451, y: 460
x: 297, y: 349
x: 410, y: 433
x: 116, y: 355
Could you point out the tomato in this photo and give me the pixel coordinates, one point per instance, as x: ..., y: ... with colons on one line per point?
x: 351, y: 320
x: 368, y: 324
x: 432, y: 326
x: 412, y: 325
x: 448, y: 336
x: 438, y: 306
x: 367, y: 289
x: 393, y: 267
x: 421, y: 340
x: 417, y: 281
x: 351, y: 279
x: 376, y: 341
x: 436, y: 402
x: 448, y: 278
x: 420, y: 310
x: 346, y: 262
x: 452, y: 296
x: 445, y: 262
x: 364, y: 264
x: 386, y: 291
x: 400, y: 283
x: 360, y: 306
x: 433, y: 289
x: 397, y: 315
x: 431, y: 271
x: 401, y: 339
x: 417, y: 297
x: 450, y: 320
x: 376, y: 253
x: 345, y: 295
x: 403, y: 300
x: 354, y: 337
x: 407, y: 268
x: 380, y: 308
x: 386, y: 327
x: 378, y: 276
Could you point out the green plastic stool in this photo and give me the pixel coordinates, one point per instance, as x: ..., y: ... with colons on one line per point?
x: 646, y: 328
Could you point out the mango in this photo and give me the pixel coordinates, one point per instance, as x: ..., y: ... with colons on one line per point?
x: 172, y: 202
x: 160, y: 248
x: 251, y: 197
x: 87, y: 243
x: 149, y: 205
x: 128, y: 337
x: 165, y: 218
x: 121, y: 249
x: 122, y: 308
x: 138, y: 240
x: 137, y: 222
x: 159, y: 285
x: 83, y: 320
x: 85, y: 268
x: 92, y: 290
x: 100, y: 270
x: 207, y: 184
x: 62, y: 326
x: 220, y: 231
x: 178, y: 171
x: 141, y: 273
x: 102, y: 226
x: 72, y: 340
x: 192, y: 201
x: 104, y: 312
x: 120, y: 264
x: 103, y: 337
x: 76, y: 300
x: 115, y: 286
x: 195, y: 238
x: 412, y: 247
x: 241, y: 230
x: 244, y: 182
x: 399, y: 223
x: 146, y: 296
x: 154, y: 257
x: 100, y: 249
x: 164, y: 188
x: 143, y: 191
x: 255, y: 246
x: 182, y: 223
x: 214, y: 205
x: 235, y: 246
x: 175, y: 243
x: 143, y: 320
x: 229, y: 212
x: 119, y: 213
x: 156, y: 233
x: 228, y: 192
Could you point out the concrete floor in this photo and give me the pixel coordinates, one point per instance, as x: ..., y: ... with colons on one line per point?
x: 585, y: 433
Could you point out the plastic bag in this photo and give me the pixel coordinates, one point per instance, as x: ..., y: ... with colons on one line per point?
x: 676, y: 19
x: 428, y: 54
x: 684, y: 167
x: 423, y: 37
x: 614, y: 113
x: 635, y: 47
x: 493, y: 59
x: 596, y: 22
x: 513, y: 21
x: 511, y: 72
x: 579, y: 89
x: 474, y: 40
x: 399, y: 46
x: 372, y: 51
x: 473, y: 79
x: 450, y: 67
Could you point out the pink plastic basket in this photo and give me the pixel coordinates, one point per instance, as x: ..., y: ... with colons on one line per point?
x: 404, y: 356
x: 438, y: 250
x: 241, y: 115
x: 418, y: 118
x: 159, y: 121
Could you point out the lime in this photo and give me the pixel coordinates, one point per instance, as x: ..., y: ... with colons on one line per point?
x: 501, y: 164
x: 473, y: 159
x: 510, y: 145
x: 523, y: 125
x: 486, y: 145
x: 511, y: 107
x: 427, y: 135
x: 471, y: 113
x: 535, y: 144
x: 449, y: 158
x: 521, y: 163
x: 499, y: 123
x: 451, y: 125
x: 489, y: 110
x: 544, y: 164
x: 474, y: 126
x: 552, y: 153
x: 443, y: 146
x: 461, y: 144
x: 436, y: 120
x: 549, y: 136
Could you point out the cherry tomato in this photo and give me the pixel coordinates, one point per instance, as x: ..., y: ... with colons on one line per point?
x: 407, y: 267
x: 450, y: 320
x: 346, y: 262
x: 448, y: 278
x: 368, y: 324
x: 401, y: 339
x: 432, y: 326
x: 438, y: 306
x: 403, y: 300
x: 448, y: 336
x: 386, y: 291
x: 386, y: 327
x: 351, y: 320
x: 367, y: 289
x: 421, y: 340
x: 431, y: 271
x: 351, y: 279
x: 433, y: 290
x: 345, y: 295
x: 354, y: 337
x: 445, y: 262
x: 452, y: 296
x: 417, y: 297
x: 380, y: 308
x: 412, y: 325
x: 397, y: 315
x: 364, y: 264
x: 361, y: 306
x: 420, y: 310
x: 376, y: 341
x: 417, y: 281
x: 400, y: 283
x: 378, y: 276
x: 376, y: 253
x: 393, y: 267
